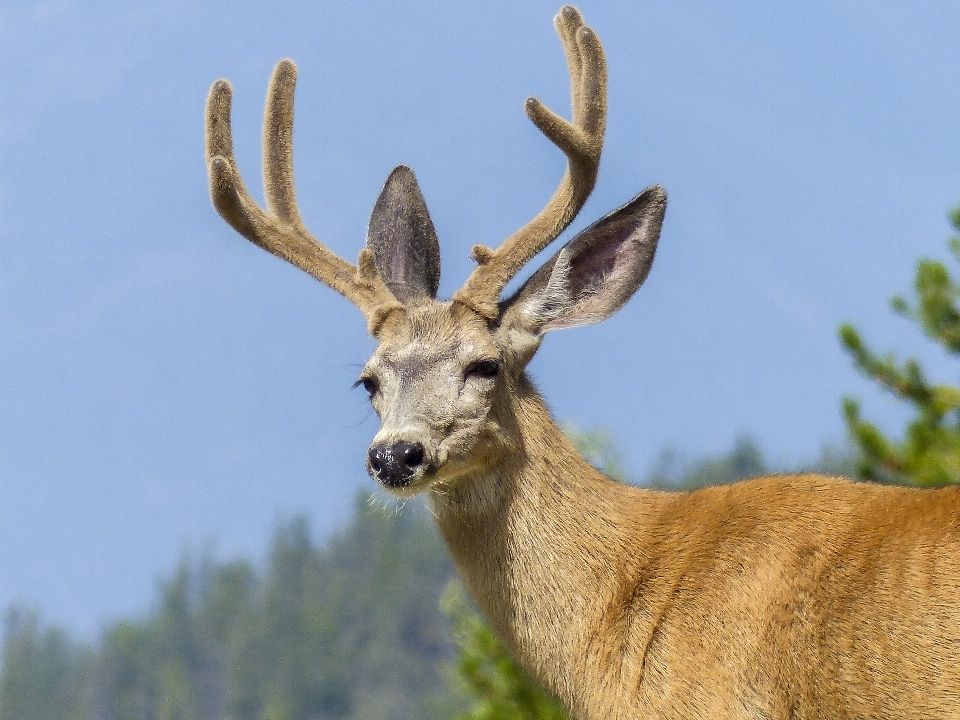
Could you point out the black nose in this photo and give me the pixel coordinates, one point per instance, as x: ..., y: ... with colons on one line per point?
x: 395, y: 464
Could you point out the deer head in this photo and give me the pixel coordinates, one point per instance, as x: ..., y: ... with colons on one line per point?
x: 445, y: 374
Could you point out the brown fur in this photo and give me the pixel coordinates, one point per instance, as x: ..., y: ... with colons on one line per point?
x: 781, y: 597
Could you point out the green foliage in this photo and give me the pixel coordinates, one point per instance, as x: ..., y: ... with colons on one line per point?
x: 43, y: 672
x: 494, y: 682
x: 929, y: 453
x: 744, y: 460
x: 347, y: 630
x: 833, y: 460
x: 598, y: 448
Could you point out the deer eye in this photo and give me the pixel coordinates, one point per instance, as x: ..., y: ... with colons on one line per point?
x: 483, y: 368
x: 369, y: 384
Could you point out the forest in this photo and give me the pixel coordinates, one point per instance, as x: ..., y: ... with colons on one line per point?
x: 371, y: 622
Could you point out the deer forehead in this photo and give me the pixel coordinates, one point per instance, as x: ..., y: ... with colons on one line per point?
x: 433, y: 334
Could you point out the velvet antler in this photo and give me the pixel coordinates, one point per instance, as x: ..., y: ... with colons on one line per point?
x: 279, y: 229
x: 581, y: 140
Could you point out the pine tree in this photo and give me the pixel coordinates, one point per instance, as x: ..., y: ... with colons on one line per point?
x: 44, y: 672
x: 495, y: 685
x: 929, y: 452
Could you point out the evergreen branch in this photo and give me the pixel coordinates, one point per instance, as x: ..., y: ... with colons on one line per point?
x: 929, y: 453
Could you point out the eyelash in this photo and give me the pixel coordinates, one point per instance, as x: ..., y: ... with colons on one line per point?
x: 369, y: 384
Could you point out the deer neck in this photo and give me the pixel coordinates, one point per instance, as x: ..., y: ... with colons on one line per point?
x: 543, y: 554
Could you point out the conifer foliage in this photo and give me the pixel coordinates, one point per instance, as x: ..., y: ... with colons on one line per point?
x: 345, y: 630
x: 492, y: 683
x: 929, y: 452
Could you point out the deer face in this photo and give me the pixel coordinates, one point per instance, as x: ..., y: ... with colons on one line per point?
x: 443, y: 375
x: 435, y: 381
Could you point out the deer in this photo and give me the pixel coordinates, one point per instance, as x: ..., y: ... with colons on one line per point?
x: 787, y: 596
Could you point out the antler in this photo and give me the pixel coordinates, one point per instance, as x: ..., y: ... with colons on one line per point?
x: 581, y: 140
x: 280, y: 230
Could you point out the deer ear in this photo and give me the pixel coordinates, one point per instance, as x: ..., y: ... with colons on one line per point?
x: 593, y: 275
x: 403, y: 240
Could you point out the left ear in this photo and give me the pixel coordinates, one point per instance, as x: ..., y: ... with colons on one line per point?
x: 402, y: 239
x: 593, y: 275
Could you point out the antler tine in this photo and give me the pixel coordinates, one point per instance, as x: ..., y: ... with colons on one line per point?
x: 278, y: 144
x: 581, y: 141
x: 281, y: 231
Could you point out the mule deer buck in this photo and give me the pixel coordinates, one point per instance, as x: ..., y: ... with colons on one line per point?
x: 780, y: 597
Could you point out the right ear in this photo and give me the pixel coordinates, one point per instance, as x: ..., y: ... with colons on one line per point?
x: 593, y: 275
x: 402, y: 238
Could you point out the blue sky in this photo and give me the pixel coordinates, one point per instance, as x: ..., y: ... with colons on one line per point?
x: 165, y: 385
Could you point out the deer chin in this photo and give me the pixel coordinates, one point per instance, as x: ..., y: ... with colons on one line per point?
x: 416, y: 486
x: 463, y: 479
x: 470, y: 488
